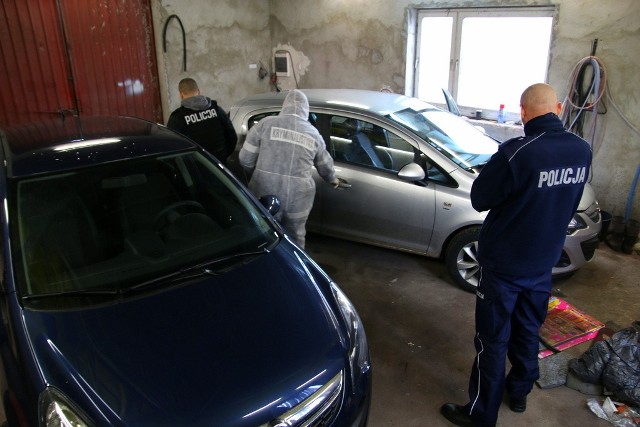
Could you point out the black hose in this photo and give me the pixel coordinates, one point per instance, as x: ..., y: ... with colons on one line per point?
x: 184, y: 40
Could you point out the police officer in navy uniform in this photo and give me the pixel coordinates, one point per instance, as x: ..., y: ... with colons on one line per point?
x: 531, y: 187
x: 203, y: 120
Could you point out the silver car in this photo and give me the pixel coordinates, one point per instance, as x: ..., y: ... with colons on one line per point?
x: 410, y: 166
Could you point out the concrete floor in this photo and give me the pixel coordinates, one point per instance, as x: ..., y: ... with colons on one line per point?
x: 420, y: 329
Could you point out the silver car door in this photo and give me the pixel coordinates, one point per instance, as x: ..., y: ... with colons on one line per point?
x: 379, y: 207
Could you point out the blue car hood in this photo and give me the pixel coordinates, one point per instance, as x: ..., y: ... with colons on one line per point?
x: 233, y: 349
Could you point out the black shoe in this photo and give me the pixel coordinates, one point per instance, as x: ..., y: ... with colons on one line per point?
x: 456, y: 414
x: 518, y: 405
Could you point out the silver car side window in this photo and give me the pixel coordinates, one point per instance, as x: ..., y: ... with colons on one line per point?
x: 364, y: 143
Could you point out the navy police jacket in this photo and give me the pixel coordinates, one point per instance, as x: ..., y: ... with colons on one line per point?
x: 207, y: 124
x: 531, y: 187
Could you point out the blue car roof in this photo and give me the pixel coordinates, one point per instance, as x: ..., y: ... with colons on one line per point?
x: 74, y: 142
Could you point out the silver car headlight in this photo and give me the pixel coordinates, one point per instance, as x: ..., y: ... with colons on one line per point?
x: 576, y: 223
x: 359, y: 348
x: 57, y: 411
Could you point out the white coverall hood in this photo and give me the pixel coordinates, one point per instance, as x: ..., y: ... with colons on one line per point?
x: 296, y: 104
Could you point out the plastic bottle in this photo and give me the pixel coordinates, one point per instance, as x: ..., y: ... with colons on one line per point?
x: 501, y: 114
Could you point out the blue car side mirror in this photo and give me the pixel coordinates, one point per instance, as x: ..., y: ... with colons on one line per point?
x: 271, y: 202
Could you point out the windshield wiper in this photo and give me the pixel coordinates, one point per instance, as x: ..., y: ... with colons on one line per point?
x: 188, y: 273
x: 206, y: 268
x: 74, y: 293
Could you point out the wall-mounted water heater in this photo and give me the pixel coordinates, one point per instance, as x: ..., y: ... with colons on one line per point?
x: 282, y: 64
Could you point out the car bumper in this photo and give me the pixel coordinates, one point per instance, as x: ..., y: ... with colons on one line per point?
x: 576, y: 255
x: 359, y: 403
x: 580, y: 247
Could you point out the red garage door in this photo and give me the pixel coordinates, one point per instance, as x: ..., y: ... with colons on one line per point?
x: 88, y: 57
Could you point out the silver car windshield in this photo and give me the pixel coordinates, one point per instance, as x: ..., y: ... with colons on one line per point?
x: 116, y: 226
x: 454, y: 137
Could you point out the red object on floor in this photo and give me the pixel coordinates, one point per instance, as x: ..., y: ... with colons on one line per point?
x: 565, y: 327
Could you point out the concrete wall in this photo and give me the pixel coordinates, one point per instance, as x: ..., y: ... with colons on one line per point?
x: 224, y: 40
x: 362, y: 44
x: 357, y: 44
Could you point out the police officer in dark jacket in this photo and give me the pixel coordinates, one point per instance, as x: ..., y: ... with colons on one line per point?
x: 201, y: 119
x: 531, y: 187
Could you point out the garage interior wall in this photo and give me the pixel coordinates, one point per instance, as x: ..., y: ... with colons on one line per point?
x: 362, y: 44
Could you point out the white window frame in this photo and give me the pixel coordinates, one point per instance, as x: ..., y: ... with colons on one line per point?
x: 458, y: 14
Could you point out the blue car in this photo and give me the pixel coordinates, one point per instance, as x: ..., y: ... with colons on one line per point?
x: 143, y: 285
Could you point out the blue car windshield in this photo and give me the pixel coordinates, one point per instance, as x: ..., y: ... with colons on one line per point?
x: 115, y: 226
x: 449, y: 134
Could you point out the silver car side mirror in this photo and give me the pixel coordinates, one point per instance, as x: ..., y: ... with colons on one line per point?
x: 411, y: 172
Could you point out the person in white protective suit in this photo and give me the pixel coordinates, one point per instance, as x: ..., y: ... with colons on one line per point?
x: 280, y: 152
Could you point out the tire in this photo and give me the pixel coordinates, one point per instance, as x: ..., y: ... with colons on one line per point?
x: 461, y: 260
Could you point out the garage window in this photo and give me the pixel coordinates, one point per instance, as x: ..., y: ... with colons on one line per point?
x: 483, y: 57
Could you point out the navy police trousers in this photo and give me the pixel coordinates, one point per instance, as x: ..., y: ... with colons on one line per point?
x: 509, y: 313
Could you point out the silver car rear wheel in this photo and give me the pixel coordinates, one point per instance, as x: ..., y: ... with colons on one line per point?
x: 461, y: 259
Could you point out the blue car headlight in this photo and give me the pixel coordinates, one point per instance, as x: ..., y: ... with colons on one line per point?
x: 359, y: 348
x: 57, y: 411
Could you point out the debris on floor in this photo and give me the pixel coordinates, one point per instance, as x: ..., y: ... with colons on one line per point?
x: 584, y: 387
x: 613, y: 363
x: 565, y: 327
x: 553, y: 370
x: 618, y: 414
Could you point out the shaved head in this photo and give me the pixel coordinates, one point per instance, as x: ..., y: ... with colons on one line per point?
x: 537, y: 100
x: 188, y: 87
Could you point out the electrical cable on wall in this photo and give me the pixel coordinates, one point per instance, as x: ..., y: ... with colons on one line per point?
x: 274, y: 82
x: 579, y: 102
x: 262, y: 71
x: 632, y: 192
x: 184, y: 39
x: 576, y: 103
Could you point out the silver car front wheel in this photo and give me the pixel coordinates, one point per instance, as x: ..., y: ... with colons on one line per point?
x: 461, y: 259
